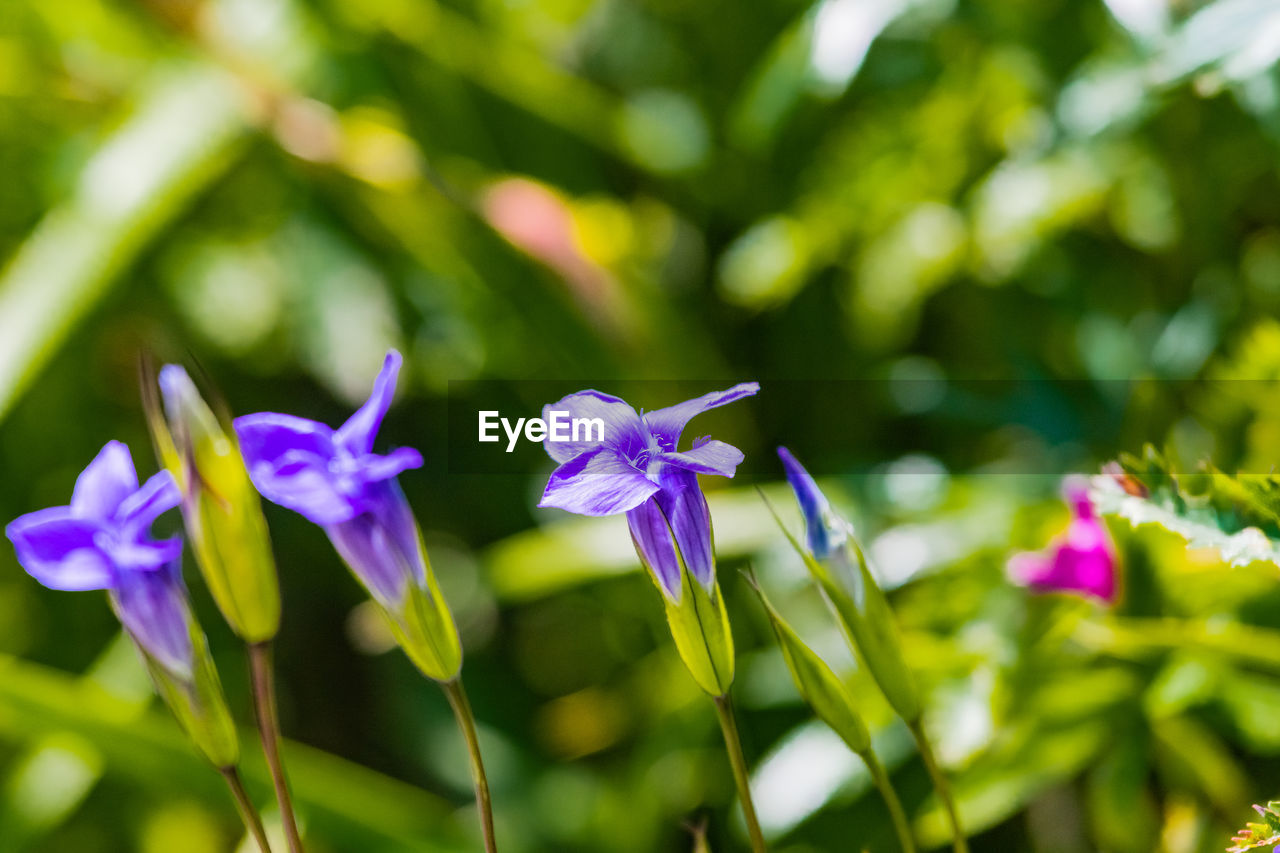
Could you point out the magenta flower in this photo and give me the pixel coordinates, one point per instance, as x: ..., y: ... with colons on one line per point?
x: 639, y: 470
x: 334, y: 479
x: 102, y: 540
x: 1082, y: 560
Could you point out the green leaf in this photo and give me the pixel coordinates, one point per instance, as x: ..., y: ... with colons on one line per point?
x: 1142, y: 639
x: 1121, y: 808
x: 1190, y: 755
x: 1003, y: 784
x: 352, y: 807
x: 48, y: 783
x: 1236, y: 516
x: 183, y: 134
x: 865, y: 618
x: 818, y: 685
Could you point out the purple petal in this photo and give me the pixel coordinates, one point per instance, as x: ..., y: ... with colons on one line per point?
x: 105, y: 483
x: 357, y: 434
x: 710, y: 457
x: 312, y: 491
x: 373, y: 468
x: 685, y: 507
x: 623, y: 429
x: 651, y: 535
x: 153, y: 608
x: 292, y: 463
x: 598, y: 482
x: 60, y: 549
x: 667, y: 424
x: 382, y: 546
x: 388, y: 505
x: 820, y: 520
x: 267, y: 436
x: 158, y: 495
x: 145, y: 554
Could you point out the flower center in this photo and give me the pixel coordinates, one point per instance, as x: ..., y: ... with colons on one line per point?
x: 346, y: 470
x: 107, y: 538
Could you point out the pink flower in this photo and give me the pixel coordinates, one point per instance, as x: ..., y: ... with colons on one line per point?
x: 1081, y: 561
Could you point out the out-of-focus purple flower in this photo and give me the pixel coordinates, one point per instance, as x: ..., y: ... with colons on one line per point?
x: 334, y: 479
x: 1082, y: 560
x: 637, y: 468
x: 102, y: 540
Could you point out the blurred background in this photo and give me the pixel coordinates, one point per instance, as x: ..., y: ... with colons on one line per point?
x: 949, y: 234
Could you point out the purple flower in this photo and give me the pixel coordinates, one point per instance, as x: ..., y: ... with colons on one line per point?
x: 638, y: 469
x: 1082, y: 560
x: 334, y: 479
x: 825, y: 530
x: 844, y: 576
x: 102, y: 540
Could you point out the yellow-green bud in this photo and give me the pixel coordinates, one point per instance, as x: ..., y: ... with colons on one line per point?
x: 424, y: 627
x: 818, y: 686
x: 198, y: 702
x: 865, y: 618
x: 220, y: 506
x: 700, y: 627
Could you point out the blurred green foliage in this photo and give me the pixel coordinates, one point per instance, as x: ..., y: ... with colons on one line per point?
x: 902, y: 191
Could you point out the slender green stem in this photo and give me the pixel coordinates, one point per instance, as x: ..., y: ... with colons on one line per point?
x: 249, y: 814
x: 899, y: 817
x: 264, y: 701
x: 467, y: 723
x: 733, y: 744
x: 940, y: 784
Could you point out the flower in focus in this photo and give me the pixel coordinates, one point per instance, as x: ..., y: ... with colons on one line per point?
x: 333, y: 478
x: 638, y: 469
x: 1082, y: 560
x: 102, y: 540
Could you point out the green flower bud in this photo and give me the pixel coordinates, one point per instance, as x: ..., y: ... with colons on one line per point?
x: 871, y: 628
x: 423, y: 626
x: 864, y: 616
x: 220, y: 505
x: 700, y: 627
x: 152, y: 606
x: 195, y: 697
x: 818, y: 686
